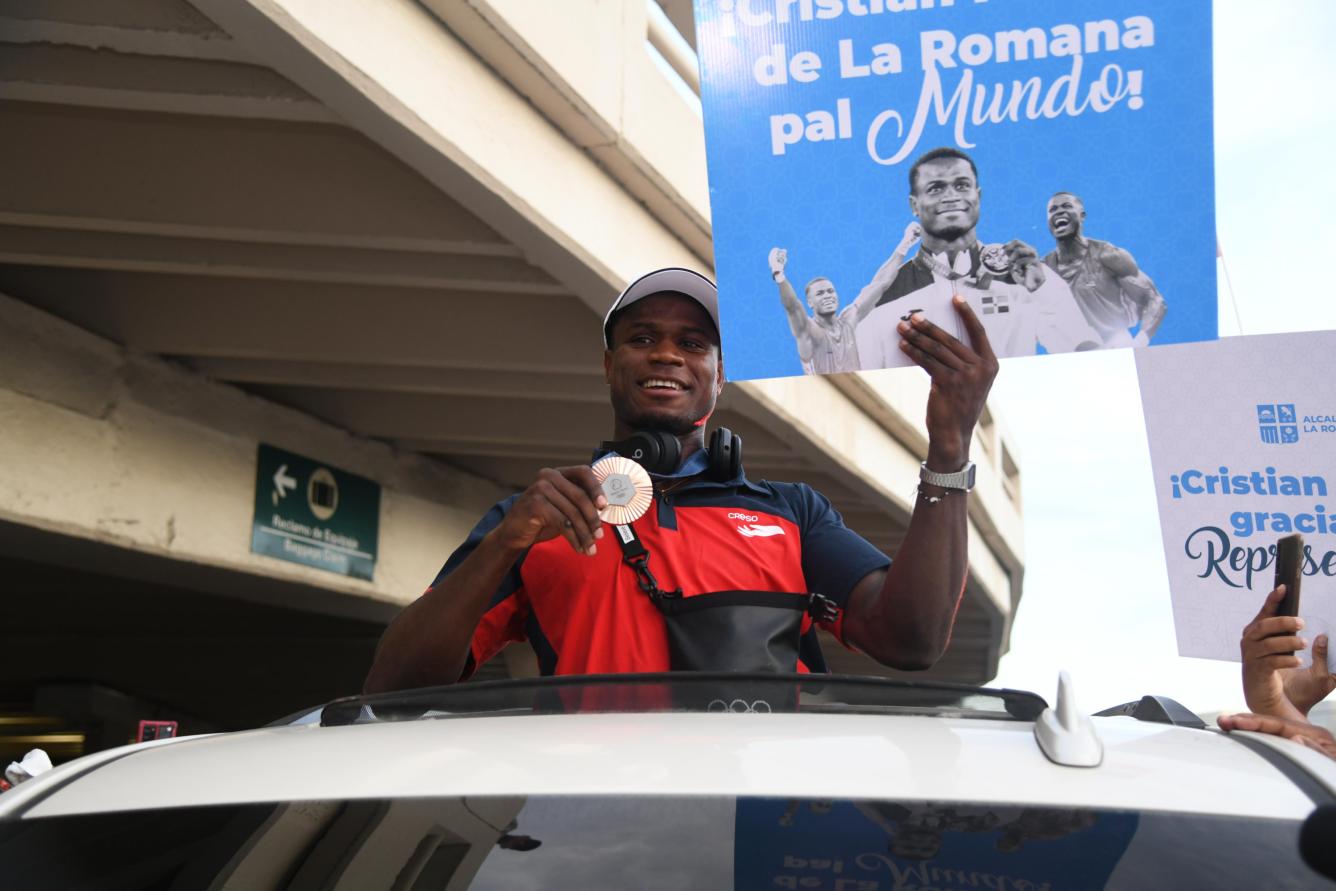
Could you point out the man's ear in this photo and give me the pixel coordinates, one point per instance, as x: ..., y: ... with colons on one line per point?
x: 913, y: 205
x: 719, y: 380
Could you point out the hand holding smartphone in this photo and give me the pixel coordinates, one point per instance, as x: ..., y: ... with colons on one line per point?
x: 1289, y: 572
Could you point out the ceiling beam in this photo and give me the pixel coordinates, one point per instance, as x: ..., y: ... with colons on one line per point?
x: 78, y: 76
x: 479, y: 418
x: 289, y: 183
x: 172, y: 16
x: 204, y: 43
x: 129, y: 251
x: 171, y: 103
x: 296, y: 321
x: 441, y: 381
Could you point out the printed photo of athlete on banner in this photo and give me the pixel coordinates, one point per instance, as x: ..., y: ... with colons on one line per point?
x: 1050, y: 161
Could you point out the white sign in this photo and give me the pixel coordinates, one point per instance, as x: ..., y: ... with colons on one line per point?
x: 1243, y: 445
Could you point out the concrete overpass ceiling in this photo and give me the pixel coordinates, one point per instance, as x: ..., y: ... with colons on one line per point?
x: 265, y: 244
x: 217, y: 317
x: 258, y: 182
x: 162, y: 186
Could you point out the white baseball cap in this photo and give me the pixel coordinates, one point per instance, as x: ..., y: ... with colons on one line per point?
x: 674, y: 280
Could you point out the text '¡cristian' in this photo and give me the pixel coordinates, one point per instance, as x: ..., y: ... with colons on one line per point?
x: 1264, y: 482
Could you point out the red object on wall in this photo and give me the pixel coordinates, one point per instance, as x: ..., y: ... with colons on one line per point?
x: 155, y: 730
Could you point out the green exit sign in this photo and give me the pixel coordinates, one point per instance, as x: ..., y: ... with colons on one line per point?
x: 310, y: 513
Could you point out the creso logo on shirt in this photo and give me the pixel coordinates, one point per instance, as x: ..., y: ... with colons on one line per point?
x: 752, y: 530
x: 748, y: 517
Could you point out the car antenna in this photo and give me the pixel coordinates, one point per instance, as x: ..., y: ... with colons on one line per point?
x: 1066, y: 735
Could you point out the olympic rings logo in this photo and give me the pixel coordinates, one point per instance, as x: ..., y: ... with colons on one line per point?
x: 739, y: 707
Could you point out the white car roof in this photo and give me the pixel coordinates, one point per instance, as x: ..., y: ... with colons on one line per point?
x: 1145, y: 766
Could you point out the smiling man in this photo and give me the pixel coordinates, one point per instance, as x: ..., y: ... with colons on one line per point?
x: 1022, y: 305
x: 1112, y: 291
x: 540, y: 566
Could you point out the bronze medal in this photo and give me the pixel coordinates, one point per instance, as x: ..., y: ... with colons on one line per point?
x: 627, y: 487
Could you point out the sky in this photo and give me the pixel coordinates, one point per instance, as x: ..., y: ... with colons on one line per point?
x: 1096, y: 593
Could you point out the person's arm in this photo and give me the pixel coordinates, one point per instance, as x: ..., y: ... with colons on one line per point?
x: 1301, y: 732
x: 793, y: 307
x: 1062, y: 327
x: 902, y: 616
x: 1138, y: 288
x: 886, y: 275
x: 428, y: 642
x: 1273, y: 681
x: 1306, y: 687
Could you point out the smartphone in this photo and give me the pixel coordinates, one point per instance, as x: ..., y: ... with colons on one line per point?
x: 1289, y: 572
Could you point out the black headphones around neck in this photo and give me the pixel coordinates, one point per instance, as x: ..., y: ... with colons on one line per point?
x: 660, y: 452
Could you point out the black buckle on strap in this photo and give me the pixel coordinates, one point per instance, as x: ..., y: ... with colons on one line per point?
x: 822, y: 608
x: 636, y: 556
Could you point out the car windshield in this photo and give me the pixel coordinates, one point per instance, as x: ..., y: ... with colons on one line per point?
x: 649, y: 842
x: 688, y: 691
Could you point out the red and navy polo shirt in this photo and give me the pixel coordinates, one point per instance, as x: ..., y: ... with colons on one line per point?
x: 587, y: 615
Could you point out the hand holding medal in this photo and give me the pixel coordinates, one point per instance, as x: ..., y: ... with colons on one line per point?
x: 995, y: 259
x: 1027, y: 269
x: 627, y: 487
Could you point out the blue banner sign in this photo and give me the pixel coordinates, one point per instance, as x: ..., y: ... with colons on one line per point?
x: 1049, y: 161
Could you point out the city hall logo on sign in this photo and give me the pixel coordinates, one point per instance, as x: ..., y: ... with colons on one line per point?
x: 1277, y: 423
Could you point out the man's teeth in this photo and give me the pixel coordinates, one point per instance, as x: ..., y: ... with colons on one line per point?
x: 660, y: 384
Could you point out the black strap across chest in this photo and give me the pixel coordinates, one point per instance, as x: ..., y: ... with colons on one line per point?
x: 636, y: 555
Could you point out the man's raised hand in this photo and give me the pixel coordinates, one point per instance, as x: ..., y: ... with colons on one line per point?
x: 1025, y: 265
x: 961, y: 378
x: 563, y: 501
x: 1273, y: 681
x: 913, y: 232
x: 1306, y: 687
x: 778, y: 258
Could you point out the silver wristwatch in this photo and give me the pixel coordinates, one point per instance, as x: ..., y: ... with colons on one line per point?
x: 962, y: 479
